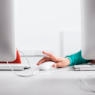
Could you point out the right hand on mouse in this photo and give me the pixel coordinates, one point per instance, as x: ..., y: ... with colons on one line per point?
x: 59, y: 62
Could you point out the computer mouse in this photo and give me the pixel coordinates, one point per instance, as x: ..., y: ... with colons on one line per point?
x: 46, y: 66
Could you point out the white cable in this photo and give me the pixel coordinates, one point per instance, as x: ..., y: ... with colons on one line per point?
x: 85, y: 86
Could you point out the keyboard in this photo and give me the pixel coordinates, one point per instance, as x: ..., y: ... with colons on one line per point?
x: 84, y: 67
x: 14, y: 67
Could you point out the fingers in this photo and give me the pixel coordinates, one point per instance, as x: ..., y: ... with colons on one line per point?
x: 58, y: 65
x: 45, y: 59
x: 50, y: 55
x: 54, y: 65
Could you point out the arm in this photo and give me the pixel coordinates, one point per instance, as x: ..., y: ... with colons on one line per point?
x: 76, y: 59
x: 60, y: 62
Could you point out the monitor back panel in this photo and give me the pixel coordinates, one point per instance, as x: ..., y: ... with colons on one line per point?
x: 7, y: 38
x: 88, y: 28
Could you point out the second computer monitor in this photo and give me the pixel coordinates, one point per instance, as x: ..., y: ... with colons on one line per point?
x: 88, y: 28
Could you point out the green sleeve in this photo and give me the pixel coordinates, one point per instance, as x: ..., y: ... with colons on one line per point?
x: 76, y: 59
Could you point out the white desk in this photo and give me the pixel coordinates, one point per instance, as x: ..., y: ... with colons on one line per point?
x: 59, y: 82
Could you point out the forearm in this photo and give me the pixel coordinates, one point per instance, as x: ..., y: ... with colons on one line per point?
x: 76, y: 59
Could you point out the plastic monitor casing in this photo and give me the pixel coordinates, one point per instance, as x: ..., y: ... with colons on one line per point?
x: 7, y: 37
x: 88, y: 28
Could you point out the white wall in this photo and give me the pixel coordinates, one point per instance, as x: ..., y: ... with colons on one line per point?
x: 38, y: 24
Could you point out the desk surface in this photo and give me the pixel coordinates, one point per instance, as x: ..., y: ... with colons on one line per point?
x: 58, y: 82
x: 56, y: 73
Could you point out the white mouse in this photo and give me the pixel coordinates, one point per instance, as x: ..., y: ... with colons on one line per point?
x: 46, y: 66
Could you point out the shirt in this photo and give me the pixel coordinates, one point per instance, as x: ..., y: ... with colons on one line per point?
x: 76, y: 59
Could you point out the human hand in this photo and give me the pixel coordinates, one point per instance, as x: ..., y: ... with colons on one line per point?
x: 59, y: 62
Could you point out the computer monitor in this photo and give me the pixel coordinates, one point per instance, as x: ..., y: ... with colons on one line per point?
x: 88, y: 28
x: 7, y: 37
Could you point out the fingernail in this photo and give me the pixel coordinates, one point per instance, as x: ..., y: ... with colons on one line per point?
x: 54, y: 65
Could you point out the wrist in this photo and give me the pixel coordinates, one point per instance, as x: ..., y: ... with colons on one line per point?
x: 67, y: 61
x: 70, y: 61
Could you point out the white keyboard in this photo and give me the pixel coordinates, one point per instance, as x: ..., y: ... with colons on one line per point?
x: 84, y: 67
x: 15, y: 67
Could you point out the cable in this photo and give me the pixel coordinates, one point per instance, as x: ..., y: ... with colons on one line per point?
x: 86, y: 86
